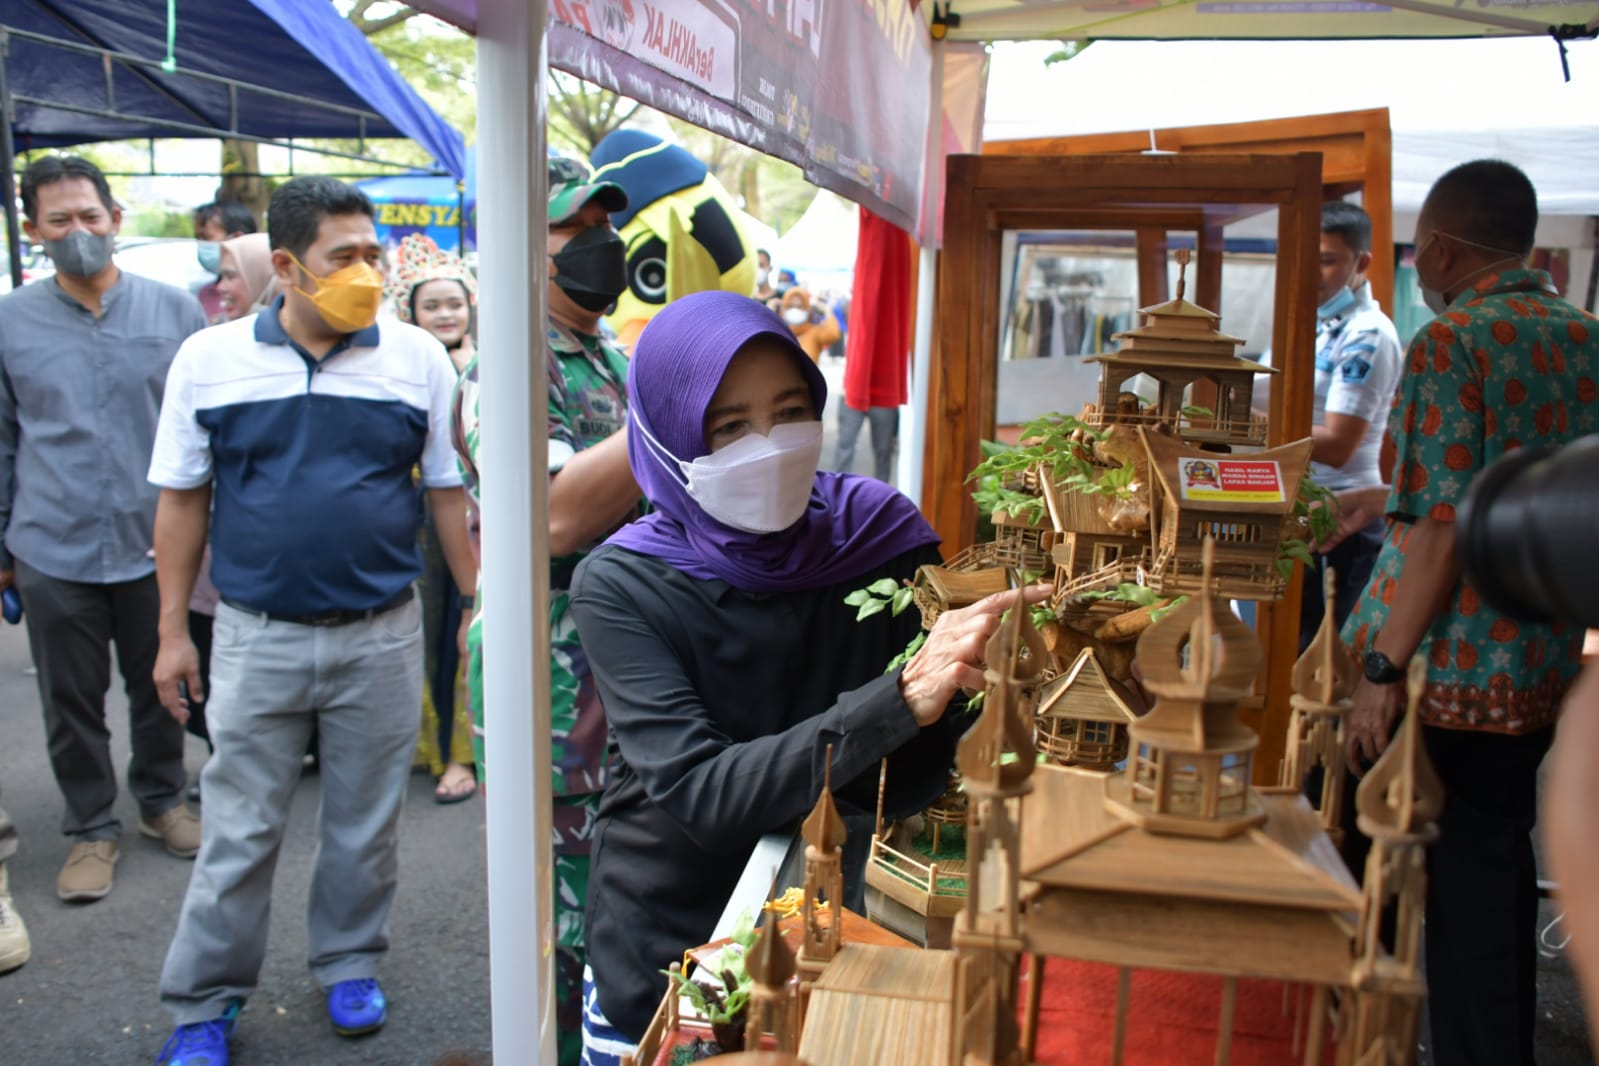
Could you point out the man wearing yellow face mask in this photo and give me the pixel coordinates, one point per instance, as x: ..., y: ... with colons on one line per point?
x: 302, y: 424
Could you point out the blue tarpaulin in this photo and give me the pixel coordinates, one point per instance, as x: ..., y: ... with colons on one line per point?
x: 427, y: 203
x: 303, y: 49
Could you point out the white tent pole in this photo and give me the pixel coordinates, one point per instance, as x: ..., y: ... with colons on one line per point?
x: 913, y: 416
x: 913, y: 429
x: 511, y: 110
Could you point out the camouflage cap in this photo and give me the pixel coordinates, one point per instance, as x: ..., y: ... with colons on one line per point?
x: 572, y: 185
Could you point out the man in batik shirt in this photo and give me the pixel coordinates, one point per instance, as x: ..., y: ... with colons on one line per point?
x: 1507, y: 363
x: 591, y: 493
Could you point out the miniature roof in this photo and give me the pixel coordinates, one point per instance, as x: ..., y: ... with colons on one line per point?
x: 1325, y: 673
x: 1401, y: 793
x: 965, y: 586
x: 1180, y: 334
x: 1071, y: 840
x: 1094, y: 696
x: 881, y: 1006
x: 1001, y: 727
x: 1166, y: 453
x: 823, y: 828
x: 1153, y: 360
x: 1199, y: 651
x: 770, y: 961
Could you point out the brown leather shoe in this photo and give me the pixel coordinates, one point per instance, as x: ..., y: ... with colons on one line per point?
x: 86, y: 875
x: 178, y: 828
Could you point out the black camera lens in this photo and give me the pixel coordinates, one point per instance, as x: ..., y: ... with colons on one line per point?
x: 1524, y: 531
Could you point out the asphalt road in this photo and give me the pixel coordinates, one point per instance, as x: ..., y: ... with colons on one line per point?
x: 89, y: 994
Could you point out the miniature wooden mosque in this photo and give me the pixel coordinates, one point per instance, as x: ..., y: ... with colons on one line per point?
x: 1176, y: 863
x: 1179, y: 344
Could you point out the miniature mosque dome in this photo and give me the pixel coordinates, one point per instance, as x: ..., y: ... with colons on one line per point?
x: 1325, y: 676
x: 1191, y: 758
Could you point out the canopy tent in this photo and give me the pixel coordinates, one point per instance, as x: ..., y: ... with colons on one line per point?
x: 514, y: 43
x: 122, y: 69
x: 820, y: 247
x: 1015, y: 20
x: 95, y: 70
x: 1438, y: 114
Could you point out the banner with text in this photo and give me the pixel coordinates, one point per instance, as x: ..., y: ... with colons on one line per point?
x: 840, y: 88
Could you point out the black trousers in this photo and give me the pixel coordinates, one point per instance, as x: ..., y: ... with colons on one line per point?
x: 70, y: 625
x: 1352, y: 561
x: 1482, y: 898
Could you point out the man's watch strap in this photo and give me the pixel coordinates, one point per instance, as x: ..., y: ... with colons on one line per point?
x: 1381, y: 670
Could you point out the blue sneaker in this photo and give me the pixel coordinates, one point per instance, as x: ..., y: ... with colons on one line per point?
x: 357, y: 1007
x: 200, y: 1043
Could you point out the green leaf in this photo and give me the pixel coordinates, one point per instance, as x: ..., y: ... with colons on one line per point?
x: 903, y: 597
x: 885, y: 588
x: 869, y: 608
x: 1161, y: 612
x: 1284, y: 567
x: 908, y: 654
x: 858, y: 597
x: 1194, y: 411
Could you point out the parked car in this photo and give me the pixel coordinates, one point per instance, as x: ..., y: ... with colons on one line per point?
x: 173, y: 260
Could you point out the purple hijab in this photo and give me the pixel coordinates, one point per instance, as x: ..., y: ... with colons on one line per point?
x: 853, y: 524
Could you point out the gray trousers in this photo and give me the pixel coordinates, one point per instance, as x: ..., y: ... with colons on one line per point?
x: 70, y: 625
x: 885, y: 430
x: 361, y: 684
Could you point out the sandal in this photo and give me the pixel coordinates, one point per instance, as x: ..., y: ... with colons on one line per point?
x: 462, y: 787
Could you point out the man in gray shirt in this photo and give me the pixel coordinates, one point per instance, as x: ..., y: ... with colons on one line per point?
x: 83, y: 362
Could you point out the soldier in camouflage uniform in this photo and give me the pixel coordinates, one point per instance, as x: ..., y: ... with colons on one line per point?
x: 591, y: 493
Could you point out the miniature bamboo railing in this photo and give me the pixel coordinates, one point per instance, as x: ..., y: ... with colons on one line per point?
x: 918, y: 871
x: 1250, y: 429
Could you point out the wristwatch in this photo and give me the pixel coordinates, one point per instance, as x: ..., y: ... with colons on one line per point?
x: 1381, y: 670
x: 466, y: 602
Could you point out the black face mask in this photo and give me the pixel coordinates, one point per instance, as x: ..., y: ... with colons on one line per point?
x: 592, y: 268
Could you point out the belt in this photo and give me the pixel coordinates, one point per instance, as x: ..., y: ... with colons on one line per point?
x: 336, y: 617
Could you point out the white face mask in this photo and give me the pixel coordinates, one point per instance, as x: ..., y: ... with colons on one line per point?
x: 1435, y: 299
x: 756, y: 484
x: 796, y: 316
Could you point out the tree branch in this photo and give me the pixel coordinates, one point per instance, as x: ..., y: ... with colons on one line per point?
x: 374, y: 26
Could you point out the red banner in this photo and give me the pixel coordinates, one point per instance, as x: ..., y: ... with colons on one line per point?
x: 840, y: 88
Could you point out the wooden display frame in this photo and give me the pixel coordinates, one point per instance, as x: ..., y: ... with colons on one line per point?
x: 1356, y: 156
x: 1152, y: 196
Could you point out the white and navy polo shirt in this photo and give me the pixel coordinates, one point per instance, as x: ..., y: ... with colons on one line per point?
x: 315, y: 507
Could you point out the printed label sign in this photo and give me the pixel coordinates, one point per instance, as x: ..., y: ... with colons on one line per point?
x: 1230, y: 480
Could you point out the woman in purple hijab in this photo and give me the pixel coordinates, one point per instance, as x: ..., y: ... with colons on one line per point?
x: 725, y: 655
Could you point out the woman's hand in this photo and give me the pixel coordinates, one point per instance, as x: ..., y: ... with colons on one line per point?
x: 952, y: 658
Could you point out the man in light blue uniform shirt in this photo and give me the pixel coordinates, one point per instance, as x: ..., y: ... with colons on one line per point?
x: 1357, y: 370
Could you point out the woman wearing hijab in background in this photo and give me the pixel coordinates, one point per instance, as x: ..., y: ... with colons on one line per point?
x: 245, y: 281
x: 435, y: 290
x: 245, y: 284
x: 726, y: 657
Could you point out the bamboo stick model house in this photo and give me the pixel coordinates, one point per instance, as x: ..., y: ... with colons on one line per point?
x: 1083, y: 716
x: 1241, y: 504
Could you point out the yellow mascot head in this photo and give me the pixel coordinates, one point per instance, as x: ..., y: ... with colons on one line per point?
x: 681, y: 228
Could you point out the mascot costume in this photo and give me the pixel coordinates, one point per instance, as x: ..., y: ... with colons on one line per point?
x: 682, y: 229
